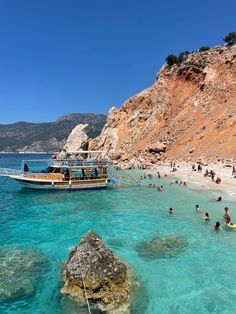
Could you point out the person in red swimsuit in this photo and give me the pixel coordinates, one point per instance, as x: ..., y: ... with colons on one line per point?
x: 227, y: 216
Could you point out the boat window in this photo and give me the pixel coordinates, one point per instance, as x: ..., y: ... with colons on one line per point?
x: 93, y: 172
x: 77, y: 173
x: 47, y: 170
x: 56, y: 170
x: 65, y: 171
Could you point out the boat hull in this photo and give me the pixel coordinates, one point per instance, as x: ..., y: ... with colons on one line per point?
x: 62, y: 185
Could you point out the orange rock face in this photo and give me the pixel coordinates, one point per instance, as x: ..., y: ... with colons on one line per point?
x: 188, y: 113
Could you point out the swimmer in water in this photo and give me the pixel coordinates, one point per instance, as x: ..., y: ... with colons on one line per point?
x: 171, y: 211
x: 219, y: 199
x: 206, y: 217
x: 198, y: 209
x: 217, y: 226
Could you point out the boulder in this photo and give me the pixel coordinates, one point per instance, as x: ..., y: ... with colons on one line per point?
x: 162, y: 247
x: 78, y: 140
x: 19, y: 272
x: 157, y: 148
x: 94, y: 267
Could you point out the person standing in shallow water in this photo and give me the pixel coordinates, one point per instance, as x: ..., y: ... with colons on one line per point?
x: 227, y: 216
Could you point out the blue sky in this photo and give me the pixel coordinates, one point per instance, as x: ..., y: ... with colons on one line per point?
x: 63, y: 56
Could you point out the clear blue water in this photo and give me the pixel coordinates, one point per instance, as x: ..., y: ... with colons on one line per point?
x: 202, y: 279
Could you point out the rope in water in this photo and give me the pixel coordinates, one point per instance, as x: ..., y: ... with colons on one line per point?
x: 85, y: 292
x: 82, y: 275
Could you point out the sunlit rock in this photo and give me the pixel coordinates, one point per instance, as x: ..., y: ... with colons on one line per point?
x: 104, y: 276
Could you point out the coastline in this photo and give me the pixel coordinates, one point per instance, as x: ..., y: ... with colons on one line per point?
x: 195, y: 179
x: 28, y: 153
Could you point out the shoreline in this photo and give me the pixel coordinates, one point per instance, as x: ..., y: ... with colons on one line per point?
x: 27, y: 153
x: 195, y: 179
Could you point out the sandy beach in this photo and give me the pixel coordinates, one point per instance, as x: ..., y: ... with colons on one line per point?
x: 196, y: 179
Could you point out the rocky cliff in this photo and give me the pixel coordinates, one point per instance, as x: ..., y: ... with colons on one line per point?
x: 188, y: 113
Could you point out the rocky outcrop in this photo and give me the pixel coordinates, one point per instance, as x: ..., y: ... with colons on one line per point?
x: 187, y: 114
x: 77, y: 140
x: 162, y: 247
x: 103, y: 274
x: 19, y: 272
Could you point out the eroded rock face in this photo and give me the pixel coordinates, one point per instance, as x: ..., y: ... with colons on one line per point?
x: 77, y: 140
x: 162, y: 247
x: 105, y: 276
x: 19, y: 272
x: 190, y: 105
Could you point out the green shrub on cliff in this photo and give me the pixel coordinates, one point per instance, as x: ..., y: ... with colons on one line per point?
x: 204, y: 48
x: 172, y: 59
x: 230, y: 39
x: 183, y: 56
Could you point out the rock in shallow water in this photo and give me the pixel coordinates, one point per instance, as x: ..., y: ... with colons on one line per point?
x: 103, y: 274
x: 19, y: 271
x: 162, y: 247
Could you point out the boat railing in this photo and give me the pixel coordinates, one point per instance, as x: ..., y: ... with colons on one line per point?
x: 104, y: 176
x: 5, y: 172
x: 77, y: 163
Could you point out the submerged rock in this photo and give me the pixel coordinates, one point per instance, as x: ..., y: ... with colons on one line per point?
x: 105, y: 277
x: 19, y: 272
x: 163, y: 247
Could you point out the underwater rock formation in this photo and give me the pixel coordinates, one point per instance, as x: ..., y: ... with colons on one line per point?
x: 19, y: 272
x: 104, y: 276
x: 162, y: 247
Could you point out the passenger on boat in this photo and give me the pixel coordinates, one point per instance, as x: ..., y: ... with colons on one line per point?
x: 26, y: 168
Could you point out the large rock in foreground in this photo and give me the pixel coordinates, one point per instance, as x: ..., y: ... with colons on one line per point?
x: 163, y: 247
x: 103, y: 274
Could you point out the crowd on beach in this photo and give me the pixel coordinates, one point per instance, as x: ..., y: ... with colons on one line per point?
x: 207, y: 173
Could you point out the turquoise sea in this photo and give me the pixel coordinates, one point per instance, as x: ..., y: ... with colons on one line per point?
x: 199, y: 279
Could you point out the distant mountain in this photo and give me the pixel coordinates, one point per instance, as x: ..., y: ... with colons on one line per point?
x: 48, y: 136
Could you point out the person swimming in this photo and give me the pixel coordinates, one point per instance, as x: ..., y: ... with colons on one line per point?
x: 206, y: 217
x: 160, y: 188
x: 217, y: 226
x: 171, y: 211
x: 198, y: 209
x: 219, y: 199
